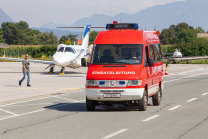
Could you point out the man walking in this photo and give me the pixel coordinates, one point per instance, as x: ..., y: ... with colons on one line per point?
x: 25, y: 70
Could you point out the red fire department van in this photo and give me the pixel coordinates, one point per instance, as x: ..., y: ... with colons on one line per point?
x: 125, y: 67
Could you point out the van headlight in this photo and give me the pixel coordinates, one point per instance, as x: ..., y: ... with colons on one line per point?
x: 134, y: 82
x: 91, y: 83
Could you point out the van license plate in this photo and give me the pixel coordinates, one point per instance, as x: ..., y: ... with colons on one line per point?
x: 112, y: 95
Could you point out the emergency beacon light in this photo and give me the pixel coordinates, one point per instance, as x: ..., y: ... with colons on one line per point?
x: 122, y: 26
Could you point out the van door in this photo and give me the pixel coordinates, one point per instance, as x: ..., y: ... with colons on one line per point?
x: 158, y: 63
x: 148, y: 69
x: 152, y: 87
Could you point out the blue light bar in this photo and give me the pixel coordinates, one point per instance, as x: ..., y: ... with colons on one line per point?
x: 121, y: 82
x: 122, y: 26
x: 101, y: 82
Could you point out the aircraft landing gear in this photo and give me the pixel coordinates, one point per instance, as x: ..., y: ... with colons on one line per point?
x: 51, y: 69
x: 62, y: 71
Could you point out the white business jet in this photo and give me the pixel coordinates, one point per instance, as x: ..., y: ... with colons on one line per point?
x: 67, y: 55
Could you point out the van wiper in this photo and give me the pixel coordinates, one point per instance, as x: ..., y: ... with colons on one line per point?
x: 119, y: 62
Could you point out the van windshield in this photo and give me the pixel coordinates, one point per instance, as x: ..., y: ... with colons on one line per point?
x: 117, y: 54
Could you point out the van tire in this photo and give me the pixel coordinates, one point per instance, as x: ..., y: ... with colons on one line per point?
x: 156, y: 99
x: 142, y: 104
x: 90, y: 104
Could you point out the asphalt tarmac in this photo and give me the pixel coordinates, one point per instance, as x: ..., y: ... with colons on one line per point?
x: 61, y: 111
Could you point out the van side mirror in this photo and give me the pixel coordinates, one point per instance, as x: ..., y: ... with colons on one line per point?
x: 151, y: 62
x: 83, y: 62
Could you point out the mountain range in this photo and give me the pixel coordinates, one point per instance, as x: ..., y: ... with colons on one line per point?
x: 60, y: 32
x: 4, y: 17
x: 192, y: 12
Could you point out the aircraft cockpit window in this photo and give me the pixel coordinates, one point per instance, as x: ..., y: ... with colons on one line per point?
x: 61, y: 49
x: 69, y: 49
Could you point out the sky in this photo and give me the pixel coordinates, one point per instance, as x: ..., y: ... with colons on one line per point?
x: 39, y: 12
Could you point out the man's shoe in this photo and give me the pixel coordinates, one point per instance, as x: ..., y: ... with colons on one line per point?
x: 28, y: 85
x: 20, y: 83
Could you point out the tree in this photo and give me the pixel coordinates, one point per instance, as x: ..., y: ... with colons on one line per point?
x: 48, y: 38
x: 171, y: 35
x: 186, y: 35
x: 53, y: 38
x: 164, y: 36
x: 1, y: 36
x: 68, y: 42
x: 167, y: 36
x: 9, y: 32
x: 181, y: 26
x: 92, y: 37
x: 72, y: 37
x: 63, y: 39
x: 21, y: 34
x: 199, y: 30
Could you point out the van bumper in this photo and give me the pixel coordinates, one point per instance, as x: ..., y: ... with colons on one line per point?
x: 127, y: 94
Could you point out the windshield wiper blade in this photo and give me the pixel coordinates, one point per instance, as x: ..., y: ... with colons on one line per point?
x: 119, y: 62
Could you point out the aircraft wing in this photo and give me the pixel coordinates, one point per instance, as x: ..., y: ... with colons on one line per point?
x: 35, y: 61
x: 167, y: 53
x: 186, y: 58
x: 80, y: 27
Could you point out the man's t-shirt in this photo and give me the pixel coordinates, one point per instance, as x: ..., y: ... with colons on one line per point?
x: 27, y: 65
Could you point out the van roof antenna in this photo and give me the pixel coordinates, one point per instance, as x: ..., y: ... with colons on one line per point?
x: 145, y: 22
x: 110, y: 17
x: 142, y: 22
x: 138, y: 23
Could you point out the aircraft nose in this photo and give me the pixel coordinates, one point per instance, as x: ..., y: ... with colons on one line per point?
x: 62, y: 59
x: 56, y: 60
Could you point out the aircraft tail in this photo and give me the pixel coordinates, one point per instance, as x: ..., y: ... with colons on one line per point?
x: 85, y: 41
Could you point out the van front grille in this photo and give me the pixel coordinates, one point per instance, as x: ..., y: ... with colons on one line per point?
x: 111, y: 91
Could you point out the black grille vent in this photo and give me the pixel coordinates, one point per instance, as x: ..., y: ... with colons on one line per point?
x: 109, y: 91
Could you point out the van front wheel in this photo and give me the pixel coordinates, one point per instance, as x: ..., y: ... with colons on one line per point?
x: 142, y: 105
x: 90, y: 104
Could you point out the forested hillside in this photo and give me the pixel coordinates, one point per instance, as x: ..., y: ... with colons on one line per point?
x: 20, y: 34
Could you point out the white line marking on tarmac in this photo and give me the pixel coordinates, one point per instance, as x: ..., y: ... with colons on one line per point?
x: 181, y: 73
x: 30, y: 105
x: 114, y: 134
x: 25, y: 101
x: 31, y: 100
x: 34, y: 111
x: 21, y: 114
x: 5, y: 116
x: 66, y: 98
x: 151, y: 118
x: 174, y: 108
x: 191, y: 70
x: 185, y: 77
x: 8, y: 112
x: 204, y: 94
x: 191, y: 99
x: 70, y: 93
